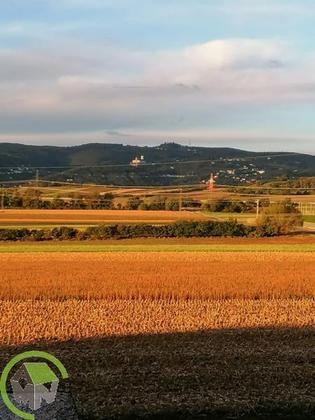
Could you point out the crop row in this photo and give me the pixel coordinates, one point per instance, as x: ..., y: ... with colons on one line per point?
x: 157, y: 275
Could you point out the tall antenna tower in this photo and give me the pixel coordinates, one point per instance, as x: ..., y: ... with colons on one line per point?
x: 211, y: 183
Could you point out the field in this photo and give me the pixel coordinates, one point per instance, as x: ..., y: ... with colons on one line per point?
x: 150, y: 276
x: 80, y: 219
x: 294, y: 243
x: 90, y: 217
x: 169, y: 328
x: 195, y: 192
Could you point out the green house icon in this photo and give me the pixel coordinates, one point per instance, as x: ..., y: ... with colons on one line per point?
x: 33, y: 384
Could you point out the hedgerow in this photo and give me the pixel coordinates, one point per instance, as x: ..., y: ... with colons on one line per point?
x: 180, y: 229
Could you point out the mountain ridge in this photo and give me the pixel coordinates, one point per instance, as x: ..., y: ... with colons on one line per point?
x: 230, y: 164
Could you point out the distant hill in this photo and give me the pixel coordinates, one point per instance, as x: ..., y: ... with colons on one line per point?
x: 85, y: 164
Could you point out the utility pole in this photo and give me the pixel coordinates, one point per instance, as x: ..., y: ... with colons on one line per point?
x: 37, y: 178
x: 257, y: 208
x: 2, y: 198
x: 180, y: 199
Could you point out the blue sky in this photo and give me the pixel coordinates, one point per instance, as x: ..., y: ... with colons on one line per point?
x: 237, y: 73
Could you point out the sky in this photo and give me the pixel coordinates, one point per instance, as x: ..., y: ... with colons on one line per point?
x: 237, y: 73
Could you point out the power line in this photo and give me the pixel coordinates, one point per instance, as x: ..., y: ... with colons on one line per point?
x: 163, y: 187
x: 254, y: 187
x: 152, y: 164
x: 182, y: 162
x: 18, y: 181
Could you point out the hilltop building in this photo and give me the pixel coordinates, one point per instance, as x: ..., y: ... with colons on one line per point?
x: 137, y: 162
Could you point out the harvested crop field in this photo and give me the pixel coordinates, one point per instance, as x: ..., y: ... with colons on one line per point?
x: 81, y: 217
x: 166, y: 335
x: 154, y: 275
x: 25, y: 322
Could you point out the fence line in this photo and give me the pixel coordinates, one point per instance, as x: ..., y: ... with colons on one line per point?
x: 307, y: 209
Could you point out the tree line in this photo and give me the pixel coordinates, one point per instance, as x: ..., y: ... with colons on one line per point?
x: 180, y: 229
x: 282, y: 186
x: 278, y: 219
x: 33, y: 200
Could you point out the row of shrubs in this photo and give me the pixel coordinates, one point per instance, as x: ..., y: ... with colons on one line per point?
x: 104, y: 202
x: 181, y: 229
x: 160, y: 203
x: 20, y: 202
x: 230, y: 206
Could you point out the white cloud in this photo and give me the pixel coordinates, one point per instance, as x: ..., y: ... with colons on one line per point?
x: 197, y: 63
x: 78, y: 88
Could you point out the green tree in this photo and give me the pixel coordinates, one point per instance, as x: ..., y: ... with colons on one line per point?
x: 157, y: 203
x: 133, y: 203
x: 279, y: 219
x: 172, y: 205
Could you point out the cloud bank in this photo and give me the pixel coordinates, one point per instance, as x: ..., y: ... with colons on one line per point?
x: 216, y: 89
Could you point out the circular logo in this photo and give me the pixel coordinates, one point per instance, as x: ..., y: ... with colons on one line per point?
x: 29, y: 383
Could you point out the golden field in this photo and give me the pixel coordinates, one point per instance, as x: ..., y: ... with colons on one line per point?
x: 157, y: 275
x: 168, y: 335
x: 26, y: 322
x: 29, y: 217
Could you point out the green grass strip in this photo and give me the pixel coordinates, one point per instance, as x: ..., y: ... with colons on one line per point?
x: 86, y: 247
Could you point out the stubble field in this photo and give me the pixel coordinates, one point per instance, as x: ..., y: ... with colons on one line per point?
x: 168, y: 334
x: 157, y: 275
x: 24, y: 217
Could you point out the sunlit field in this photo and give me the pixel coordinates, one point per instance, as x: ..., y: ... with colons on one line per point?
x: 90, y: 217
x: 73, y: 319
x: 159, y: 333
x: 157, y: 210
x: 157, y: 276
